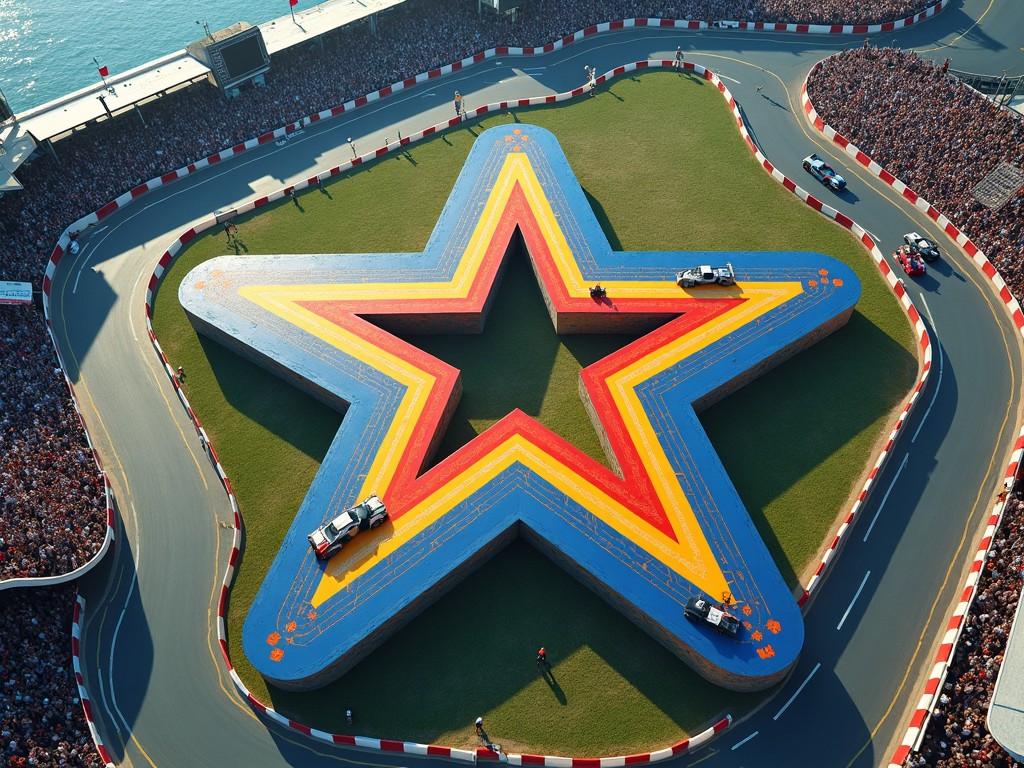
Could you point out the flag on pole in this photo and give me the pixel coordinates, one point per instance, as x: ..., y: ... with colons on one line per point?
x: 293, y: 3
x: 104, y: 71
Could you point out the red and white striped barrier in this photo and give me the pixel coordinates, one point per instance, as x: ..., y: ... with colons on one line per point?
x: 190, y: 234
x: 896, y: 284
x: 944, y: 655
x: 409, y: 82
x: 836, y: 29
x: 933, y: 685
x: 83, y: 694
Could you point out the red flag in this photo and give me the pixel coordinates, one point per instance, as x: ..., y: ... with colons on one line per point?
x: 104, y: 71
x: 293, y: 3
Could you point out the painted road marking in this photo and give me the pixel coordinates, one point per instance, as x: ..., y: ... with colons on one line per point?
x: 74, y: 288
x: 896, y: 477
x: 850, y: 606
x: 802, y: 686
x: 730, y: 79
x: 938, y: 383
x: 739, y: 744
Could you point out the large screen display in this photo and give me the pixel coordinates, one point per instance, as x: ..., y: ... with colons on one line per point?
x: 243, y: 57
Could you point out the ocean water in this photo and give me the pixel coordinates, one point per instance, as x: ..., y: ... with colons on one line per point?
x: 47, y: 46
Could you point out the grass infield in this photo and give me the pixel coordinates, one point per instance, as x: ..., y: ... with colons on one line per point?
x: 471, y: 654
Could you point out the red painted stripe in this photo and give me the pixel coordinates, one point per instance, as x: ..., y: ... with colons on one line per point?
x: 390, y: 745
x: 256, y: 703
x: 803, y: 28
x: 300, y: 727
x: 238, y: 148
x: 106, y: 210
x: 439, y: 751
x: 340, y: 738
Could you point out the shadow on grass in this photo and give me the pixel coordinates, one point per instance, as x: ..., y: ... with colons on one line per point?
x: 603, y: 220
x: 517, y: 601
x: 291, y: 415
x: 813, y: 405
x: 519, y: 362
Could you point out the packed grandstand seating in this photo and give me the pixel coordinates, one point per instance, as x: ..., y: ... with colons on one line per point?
x: 933, y: 132
x: 957, y: 735
x: 53, y: 514
x: 41, y: 720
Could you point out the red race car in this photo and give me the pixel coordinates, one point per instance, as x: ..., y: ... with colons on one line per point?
x: 911, y: 262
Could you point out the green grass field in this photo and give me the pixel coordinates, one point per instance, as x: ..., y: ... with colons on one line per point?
x: 618, y: 691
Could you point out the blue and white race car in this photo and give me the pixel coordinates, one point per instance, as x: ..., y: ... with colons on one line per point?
x: 824, y: 173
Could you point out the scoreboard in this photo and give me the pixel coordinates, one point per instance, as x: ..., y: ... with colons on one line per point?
x: 234, y: 55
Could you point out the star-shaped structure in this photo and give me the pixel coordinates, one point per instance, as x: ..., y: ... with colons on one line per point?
x: 665, y: 526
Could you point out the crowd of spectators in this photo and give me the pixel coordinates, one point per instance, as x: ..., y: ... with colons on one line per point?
x: 956, y: 734
x: 52, y: 501
x: 934, y: 133
x: 41, y: 720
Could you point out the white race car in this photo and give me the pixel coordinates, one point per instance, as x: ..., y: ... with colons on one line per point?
x: 824, y: 173
x: 328, y: 539
x: 706, y: 275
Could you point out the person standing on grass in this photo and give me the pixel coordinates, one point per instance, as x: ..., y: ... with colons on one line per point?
x: 479, y: 726
x: 678, y: 63
x: 542, y: 658
x: 458, y: 104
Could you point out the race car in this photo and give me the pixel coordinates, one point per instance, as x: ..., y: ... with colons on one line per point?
x: 912, y: 264
x: 701, y: 610
x: 327, y: 540
x: 706, y: 275
x: 924, y: 247
x: 824, y: 173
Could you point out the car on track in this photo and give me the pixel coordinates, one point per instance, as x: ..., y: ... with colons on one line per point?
x: 924, y: 247
x: 824, y: 173
x: 911, y: 262
x: 706, y: 275
x: 701, y: 610
x: 328, y: 539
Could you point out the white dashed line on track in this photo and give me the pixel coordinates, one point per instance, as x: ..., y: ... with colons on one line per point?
x: 896, y: 477
x: 739, y: 744
x: 849, y: 608
x: 798, y: 690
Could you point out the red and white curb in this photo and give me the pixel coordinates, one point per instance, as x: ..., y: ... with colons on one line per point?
x: 896, y: 285
x: 944, y: 655
x: 933, y: 686
x: 835, y: 29
x: 409, y: 82
x: 83, y: 694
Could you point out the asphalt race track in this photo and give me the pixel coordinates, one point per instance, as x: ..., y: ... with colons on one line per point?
x: 150, y: 659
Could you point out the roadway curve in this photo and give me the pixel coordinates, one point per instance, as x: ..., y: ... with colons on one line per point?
x: 150, y: 659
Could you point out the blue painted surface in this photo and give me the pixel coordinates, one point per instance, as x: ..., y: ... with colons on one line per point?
x: 517, y: 495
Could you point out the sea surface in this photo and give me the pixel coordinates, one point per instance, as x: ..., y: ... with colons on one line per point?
x: 47, y: 46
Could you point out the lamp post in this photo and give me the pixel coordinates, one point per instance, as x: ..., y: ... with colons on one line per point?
x: 206, y: 28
